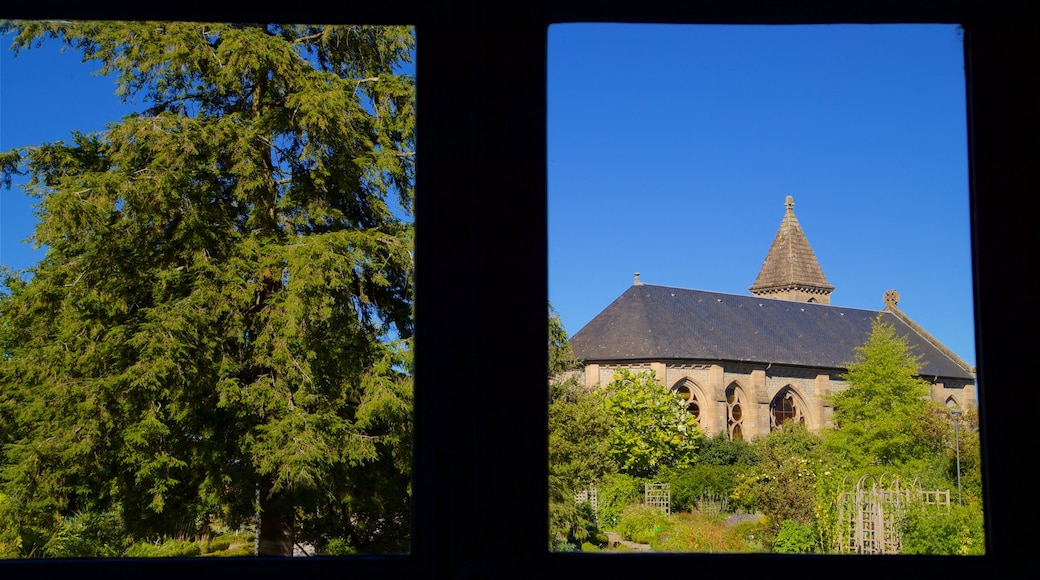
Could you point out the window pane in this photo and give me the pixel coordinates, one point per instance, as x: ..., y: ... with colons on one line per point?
x: 737, y: 210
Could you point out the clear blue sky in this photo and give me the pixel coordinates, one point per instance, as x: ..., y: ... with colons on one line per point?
x: 671, y: 150
x: 44, y: 95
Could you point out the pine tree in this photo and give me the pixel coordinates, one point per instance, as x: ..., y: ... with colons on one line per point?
x: 220, y: 325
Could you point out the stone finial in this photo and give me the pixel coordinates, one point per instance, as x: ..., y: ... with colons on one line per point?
x: 789, y: 203
x: 891, y: 298
x: 637, y: 282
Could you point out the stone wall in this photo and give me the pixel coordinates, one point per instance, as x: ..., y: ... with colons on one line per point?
x: 755, y: 390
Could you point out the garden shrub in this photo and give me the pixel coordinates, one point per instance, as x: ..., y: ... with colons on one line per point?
x: 236, y: 551
x: 337, y: 547
x: 615, y: 493
x: 564, y: 547
x: 795, y: 538
x: 571, y: 524
x: 753, y: 531
x: 712, y: 504
x: 720, y: 450
x: 690, y: 484
x: 934, y: 530
x: 703, y: 534
x: 641, y: 524
x: 87, y: 535
x: 166, y: 549
x: 219, y: 543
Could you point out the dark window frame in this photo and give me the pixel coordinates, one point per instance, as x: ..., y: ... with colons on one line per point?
x: 482, y: 276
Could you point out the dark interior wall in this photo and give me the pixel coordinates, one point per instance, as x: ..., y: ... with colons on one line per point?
x: 481, y: 280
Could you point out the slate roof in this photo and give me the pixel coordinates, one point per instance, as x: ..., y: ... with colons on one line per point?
x: 790, y: 261
x: 661, y: 323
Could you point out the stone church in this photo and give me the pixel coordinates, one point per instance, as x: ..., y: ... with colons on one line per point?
x: 746, y: 364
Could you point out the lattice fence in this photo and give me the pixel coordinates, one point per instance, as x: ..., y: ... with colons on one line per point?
x: 868, y: 515
x: 659, y: 495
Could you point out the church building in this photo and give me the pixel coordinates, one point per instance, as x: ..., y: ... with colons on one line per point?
x: 746, y: 364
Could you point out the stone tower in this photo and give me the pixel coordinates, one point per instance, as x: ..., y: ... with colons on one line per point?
x: 790, y: 271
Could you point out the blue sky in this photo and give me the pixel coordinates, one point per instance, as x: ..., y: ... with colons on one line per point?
x: 671, y: 150
x: 44, y: 95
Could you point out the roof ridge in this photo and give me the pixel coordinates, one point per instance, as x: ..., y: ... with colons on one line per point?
x: 927, y: 336
x: 657, y: 323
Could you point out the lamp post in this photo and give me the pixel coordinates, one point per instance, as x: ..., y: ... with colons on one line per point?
x: 957, y: 444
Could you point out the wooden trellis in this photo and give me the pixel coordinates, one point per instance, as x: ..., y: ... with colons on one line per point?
x: 591, y: 496
x: 659, y: 495
x: 868, y: 515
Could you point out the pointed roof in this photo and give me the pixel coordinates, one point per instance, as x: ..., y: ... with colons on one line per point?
x: 791, y: 263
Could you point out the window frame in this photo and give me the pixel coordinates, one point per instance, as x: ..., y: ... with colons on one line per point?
x: 481, y: 280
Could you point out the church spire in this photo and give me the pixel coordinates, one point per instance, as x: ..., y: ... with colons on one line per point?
x: 790, y: 271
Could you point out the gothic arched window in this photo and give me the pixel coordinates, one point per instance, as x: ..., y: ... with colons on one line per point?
x: 734, y: 413
x: 688, y: 391
x: 786, y: 406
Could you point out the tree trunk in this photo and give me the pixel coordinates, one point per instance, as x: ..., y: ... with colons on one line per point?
x: 276, y: 521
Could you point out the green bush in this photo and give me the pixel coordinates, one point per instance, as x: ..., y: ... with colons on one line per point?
x: 641, y: 524
x: 337, y: 547
x: 720, y: 450
x: 934, y: 530
x: 571, y: 523
x: 564, y: 547
x: 167, y: 549
x: 236, y: 551
x: 794, y: 538
x: 142, y: 550
x: 690, y: 484
x: 220, y: 543
x: 615, y: 493
x: 87, y: 535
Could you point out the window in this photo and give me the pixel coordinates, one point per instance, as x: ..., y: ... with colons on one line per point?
x: 481, y: 247
x: 786, y: 406
x: 735, y: 412
x: 689, y: 390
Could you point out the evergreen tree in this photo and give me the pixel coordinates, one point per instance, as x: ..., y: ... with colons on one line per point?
x: 220, y: 325
x: 875, y: 417
x: 579, y: 450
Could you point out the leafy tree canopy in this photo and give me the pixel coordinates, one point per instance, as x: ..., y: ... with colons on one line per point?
x: 651, y: 428
x: 561, y: 357
x: 224, y: 309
